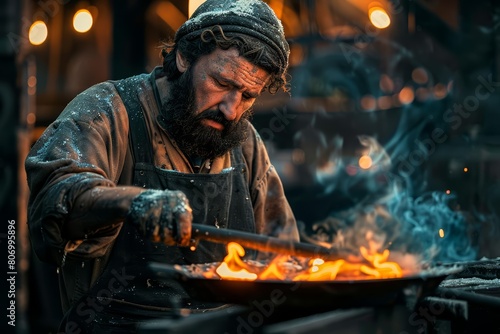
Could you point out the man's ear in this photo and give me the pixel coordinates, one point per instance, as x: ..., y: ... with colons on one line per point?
x: 182, y: 64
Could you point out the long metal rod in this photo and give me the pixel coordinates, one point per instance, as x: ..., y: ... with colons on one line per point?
x: 470, y: 297
x: 262, y: 243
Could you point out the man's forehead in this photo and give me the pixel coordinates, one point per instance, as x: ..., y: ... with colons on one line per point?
x: 230, y: 64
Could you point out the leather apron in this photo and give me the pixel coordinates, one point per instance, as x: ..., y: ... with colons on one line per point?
x: 127, y: 292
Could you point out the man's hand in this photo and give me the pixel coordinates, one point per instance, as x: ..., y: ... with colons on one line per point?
x: 163, y: 216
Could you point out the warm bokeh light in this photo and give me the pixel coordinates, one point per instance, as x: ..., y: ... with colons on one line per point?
x: 419, y: 75
x: 441, y: 233
x: 368, y: 103
x: 193, y: 4
x: 379, y: 17
x: 82, y: 21
x: 365, y: 162
x: 466, y: 169
x: 31, y: 118
x: 448, y: 191
x: 32, y: 81
x: 31, y: 85
x: 386, y: 84
x: 38, y: 33
x: 384, y: 102
x: 406, y: 95
x: 440, y: 91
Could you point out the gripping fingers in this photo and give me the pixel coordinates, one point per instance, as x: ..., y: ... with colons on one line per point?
x: 162, y: 216
x: 175, y: 219
x: 184, y: 219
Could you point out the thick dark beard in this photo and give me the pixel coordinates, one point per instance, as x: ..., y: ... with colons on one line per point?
x: 186, y: 128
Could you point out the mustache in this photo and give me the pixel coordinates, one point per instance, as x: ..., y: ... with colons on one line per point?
x: 214, y: 115
x: 218, y: 116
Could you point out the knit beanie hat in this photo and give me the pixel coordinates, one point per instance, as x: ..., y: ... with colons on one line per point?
x: 250, y: 17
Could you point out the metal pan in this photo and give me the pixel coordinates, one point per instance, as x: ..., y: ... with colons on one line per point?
x: 309, y: 294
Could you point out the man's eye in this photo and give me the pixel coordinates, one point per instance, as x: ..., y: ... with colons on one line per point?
x: 220, y: 83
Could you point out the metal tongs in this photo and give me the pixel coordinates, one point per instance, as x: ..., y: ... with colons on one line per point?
x: 262, y: 243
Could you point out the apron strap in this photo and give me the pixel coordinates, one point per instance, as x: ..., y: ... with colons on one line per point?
x: 138, y: 133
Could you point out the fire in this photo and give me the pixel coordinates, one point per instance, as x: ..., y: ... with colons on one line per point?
x: 374, y: 266
x: 233, y: 266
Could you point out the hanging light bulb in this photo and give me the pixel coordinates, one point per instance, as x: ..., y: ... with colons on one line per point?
x: 365, y: 162
x: 379, y: 17
x: 38, y: 33
x: 82, y: 20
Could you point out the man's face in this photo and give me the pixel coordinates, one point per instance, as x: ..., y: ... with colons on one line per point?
x: 209, y: 104
x: 226, y: 82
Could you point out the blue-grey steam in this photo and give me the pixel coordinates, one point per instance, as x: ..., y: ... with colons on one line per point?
x: 430, y: 227
x: 385, y: 215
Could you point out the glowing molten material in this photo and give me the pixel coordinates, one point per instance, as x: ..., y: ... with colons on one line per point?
x: 375, y: 266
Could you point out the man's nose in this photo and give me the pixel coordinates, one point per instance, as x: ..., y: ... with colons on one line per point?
x: 230, y: 105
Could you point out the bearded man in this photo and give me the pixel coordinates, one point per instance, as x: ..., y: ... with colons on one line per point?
x: 118, y: 178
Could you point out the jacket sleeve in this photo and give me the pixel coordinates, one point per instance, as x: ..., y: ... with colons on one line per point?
x: 272, y: 212
x: 83, y: 149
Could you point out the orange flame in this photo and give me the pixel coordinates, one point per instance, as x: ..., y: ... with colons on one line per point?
x: 375, y: 266
x: 233, y: 267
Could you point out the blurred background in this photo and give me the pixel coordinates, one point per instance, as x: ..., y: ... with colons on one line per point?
x: 392, y: 102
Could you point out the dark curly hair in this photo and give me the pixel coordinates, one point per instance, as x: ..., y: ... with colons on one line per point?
x: 250, y: 48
